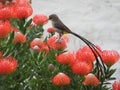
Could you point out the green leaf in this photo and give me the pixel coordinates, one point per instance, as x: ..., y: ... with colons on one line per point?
x: 28, y: 23
x: 110, y: 73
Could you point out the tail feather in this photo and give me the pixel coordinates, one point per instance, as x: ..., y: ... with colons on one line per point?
x: 100, y: 65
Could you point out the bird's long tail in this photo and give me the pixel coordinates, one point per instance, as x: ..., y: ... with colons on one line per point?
x: 99, y: 62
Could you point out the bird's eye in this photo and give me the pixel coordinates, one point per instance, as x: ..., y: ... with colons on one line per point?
x: 50, y: 17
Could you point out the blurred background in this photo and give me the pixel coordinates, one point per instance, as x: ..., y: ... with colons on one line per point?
x: 96, y: 20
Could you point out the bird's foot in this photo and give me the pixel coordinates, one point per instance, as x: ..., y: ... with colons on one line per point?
x: 58, y: 40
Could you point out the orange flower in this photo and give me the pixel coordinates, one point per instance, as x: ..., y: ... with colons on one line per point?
x: 85, y: 54
x: 40, y: 19
x: 91, y: 80
x: 110, y: 57
x: 8, y: 65
x: 81, y: 68
x: 19, y: 38
x: 38, y: 45
x: 61, y: 79
x: 55, y: 44
x: 5, y: 29
x: 66, y: 58
x: 116, y: 85
x: 51, y: 30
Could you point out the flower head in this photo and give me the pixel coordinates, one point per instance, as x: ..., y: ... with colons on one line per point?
x: 38, y: 45
x: 81, y: 68
x: 85, y: 54
x: 91, y: 80
x: 61, y: 79
x: 51, y: 30
x: 66, y: 58
x: 5, y: 29
x: 22, y: 9
x: 8, y: 65
x: 55, y: 44
x: 19, y: 38
x: 116, y: 85
x: 40, y: 19
x: 5, y: 13
x: 110, y: 57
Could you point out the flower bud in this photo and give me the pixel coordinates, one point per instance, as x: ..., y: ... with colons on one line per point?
x: 51, y: 67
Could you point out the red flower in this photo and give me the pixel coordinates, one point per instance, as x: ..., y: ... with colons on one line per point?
x: 61, y: 79
x: 51, y: 30
x: 36, y: 42
x: 19, y: 38
x: 81, y: 68
x: 66, y: 58
x: 5, y: 13
x: 5, y: 29
x: 21, y: 2
x: 38, y: 45
x: 116, y: 85
x: 40, y: 19
x: 110, y: 57
x: 44, y: 47
x: 91, y: 80
x: 85, y: 54
x: 22, y: 9
x: 8, y: 65
x: 55, y: 44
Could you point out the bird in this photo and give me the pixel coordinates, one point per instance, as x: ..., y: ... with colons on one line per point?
x: 61, y: 29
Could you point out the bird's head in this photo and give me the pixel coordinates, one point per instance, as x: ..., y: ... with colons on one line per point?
x: 53, y: 17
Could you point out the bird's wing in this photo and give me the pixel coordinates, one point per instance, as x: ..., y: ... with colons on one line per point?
x: 61, y: 26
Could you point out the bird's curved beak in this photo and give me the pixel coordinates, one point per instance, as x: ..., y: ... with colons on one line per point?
x: 49, y: 18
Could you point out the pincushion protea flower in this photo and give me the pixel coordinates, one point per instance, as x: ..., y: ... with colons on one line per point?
x: 5, y: 12
x: 5, y: 29
x: 19, y: 38
x: 38, y: 45
x: 85, y: 54
x: 110, y: 57
x: 8, y: 65
x: 22, y: 9
x: 40, y: 19
x: 51, y: 30
x: 61, y: 79
x: 55, y: 44
x: 116, y: 85
x: 91, y: 80
x: 66, y: 58
x: 81, y: 68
